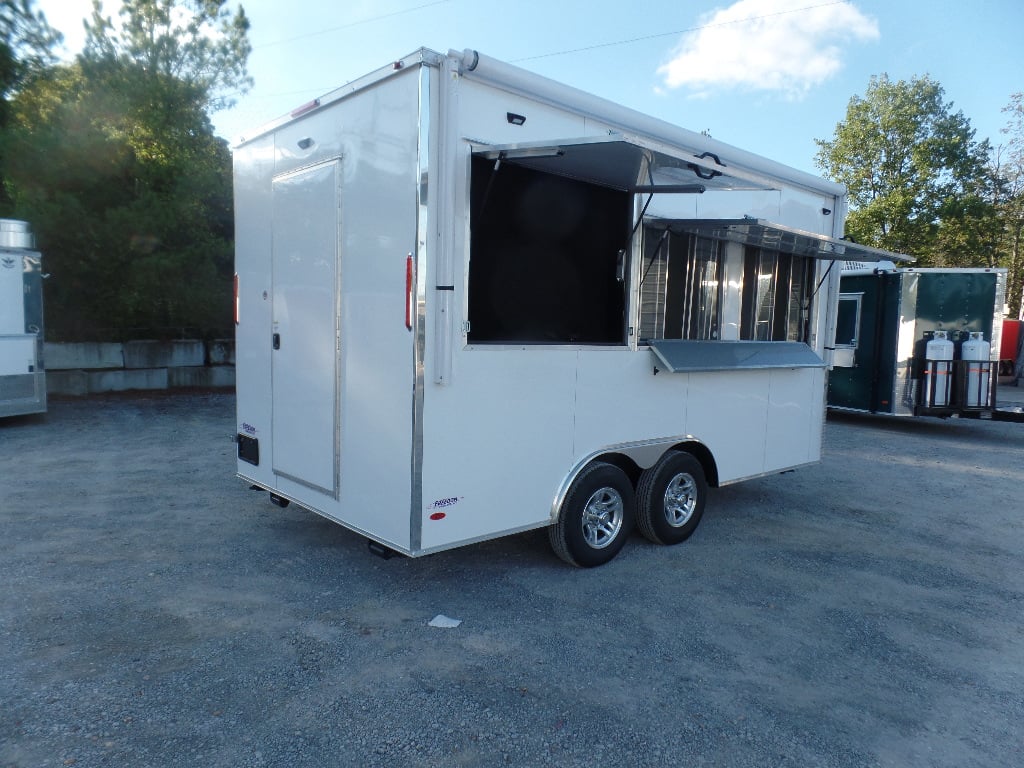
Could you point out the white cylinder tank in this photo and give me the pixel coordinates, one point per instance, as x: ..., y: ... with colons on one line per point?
x: 940, y: 347
x: 16, y: 234
x: 938, y: 354
x: 976, y: 353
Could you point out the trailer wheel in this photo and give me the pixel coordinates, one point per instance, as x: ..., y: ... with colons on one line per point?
x: 595, y: 518
x: 670, y: 498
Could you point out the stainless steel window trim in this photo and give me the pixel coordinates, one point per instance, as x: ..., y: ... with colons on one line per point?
x: 858, y: 298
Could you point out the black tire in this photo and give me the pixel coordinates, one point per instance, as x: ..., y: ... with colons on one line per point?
x: 670, y: 498
x: 595, y: 518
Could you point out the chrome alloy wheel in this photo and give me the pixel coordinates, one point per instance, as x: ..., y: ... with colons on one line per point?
x: 680, y: 499
x: 602, y: 517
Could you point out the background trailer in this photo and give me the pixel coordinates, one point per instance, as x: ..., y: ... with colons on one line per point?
x: 22, y: 378
x: 918, y: 342
x: 472, y: 301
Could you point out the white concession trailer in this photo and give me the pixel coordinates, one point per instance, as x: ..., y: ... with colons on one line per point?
x: 22, y: 375
x: 471, y: 301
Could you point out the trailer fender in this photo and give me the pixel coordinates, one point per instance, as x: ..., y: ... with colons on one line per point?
x: 633, y: 458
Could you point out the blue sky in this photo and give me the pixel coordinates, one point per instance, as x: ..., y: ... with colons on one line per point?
x: 769, y: 76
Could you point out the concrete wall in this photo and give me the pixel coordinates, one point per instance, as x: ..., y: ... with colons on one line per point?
x: 85, y: 368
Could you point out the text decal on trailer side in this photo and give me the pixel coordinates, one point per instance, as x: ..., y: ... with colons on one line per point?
x: 472, y: 301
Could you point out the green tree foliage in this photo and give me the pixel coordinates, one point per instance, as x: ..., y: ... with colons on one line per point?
x: 916, y: 175
x: 26, y: 48
x: 1007, y: 169
x: 200, y: 44
x: 119, y: 171
x: 26, y: 43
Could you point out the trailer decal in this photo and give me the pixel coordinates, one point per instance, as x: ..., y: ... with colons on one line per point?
x: 442, y: 503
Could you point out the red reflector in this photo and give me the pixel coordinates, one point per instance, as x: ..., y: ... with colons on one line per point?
x: 309, y: 106
x: 236, y: 298
x: 437, y: 516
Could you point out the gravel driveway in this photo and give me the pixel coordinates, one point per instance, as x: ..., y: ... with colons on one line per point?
x: 155, y: 612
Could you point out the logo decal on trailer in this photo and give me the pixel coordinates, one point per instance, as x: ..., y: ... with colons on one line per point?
x: 451, y: 501
x: 8, y: 262
x: 249, y: 429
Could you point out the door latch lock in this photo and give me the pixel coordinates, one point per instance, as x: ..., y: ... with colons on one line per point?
x: 277, y: 340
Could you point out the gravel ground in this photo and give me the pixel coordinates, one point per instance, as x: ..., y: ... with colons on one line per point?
x: 155, y: 612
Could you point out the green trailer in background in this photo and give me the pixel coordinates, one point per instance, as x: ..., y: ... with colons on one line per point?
x: 917, y: 342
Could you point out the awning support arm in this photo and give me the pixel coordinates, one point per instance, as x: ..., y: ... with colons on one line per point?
x: 490, y: 182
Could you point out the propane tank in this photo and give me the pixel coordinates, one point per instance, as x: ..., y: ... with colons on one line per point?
x: 976, y: 353
x: 938, y: 355
x: 16, y: 234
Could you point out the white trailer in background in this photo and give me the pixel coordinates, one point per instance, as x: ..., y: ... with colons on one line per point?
x: 22, y: 377
x: 472, y: 301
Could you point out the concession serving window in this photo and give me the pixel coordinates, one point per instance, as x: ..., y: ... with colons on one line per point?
x: 682, y: 299
x: 551, y: 228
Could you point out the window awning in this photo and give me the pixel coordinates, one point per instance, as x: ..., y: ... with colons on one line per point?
x: 629, y: 165
x: 776, y: 237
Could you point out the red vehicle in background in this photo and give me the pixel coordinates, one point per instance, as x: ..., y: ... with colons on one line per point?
x: 1008, y: 347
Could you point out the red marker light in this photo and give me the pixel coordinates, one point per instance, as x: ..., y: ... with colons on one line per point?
x: 309, y: 106
x: 409, y: 287
x: 437, y: 516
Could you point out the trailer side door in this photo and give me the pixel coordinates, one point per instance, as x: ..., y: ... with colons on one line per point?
x: 305, y: 333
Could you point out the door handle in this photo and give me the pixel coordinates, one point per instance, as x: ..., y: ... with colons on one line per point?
x: 277, y: 340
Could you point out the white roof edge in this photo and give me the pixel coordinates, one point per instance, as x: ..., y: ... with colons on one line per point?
x: 419, y: 56
x: 478, y: 66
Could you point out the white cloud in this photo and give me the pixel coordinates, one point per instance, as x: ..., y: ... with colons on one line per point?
x: 789, y: 46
